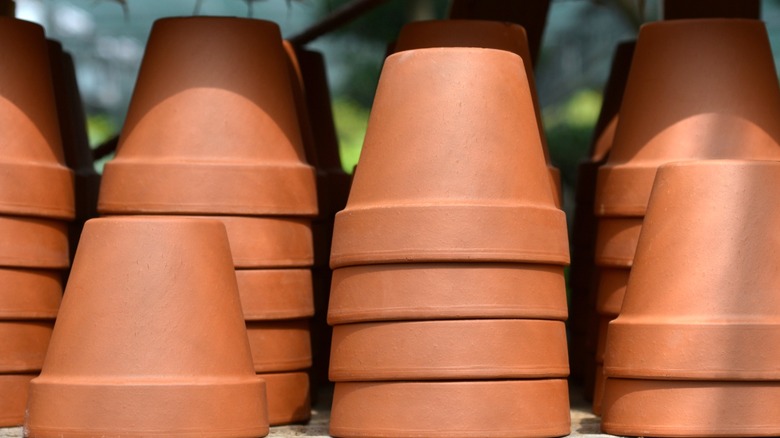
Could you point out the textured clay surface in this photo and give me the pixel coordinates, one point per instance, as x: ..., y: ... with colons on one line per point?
x: 288, y: 397
x: 279, y: 345
x: 270, y: 294
x: 29, y: 293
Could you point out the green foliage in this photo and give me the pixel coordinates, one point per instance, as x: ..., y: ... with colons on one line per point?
x: 351, y: 120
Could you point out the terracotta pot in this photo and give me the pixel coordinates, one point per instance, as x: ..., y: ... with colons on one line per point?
x: 599, y: 383
x: 503, y: 408
x: 486, y: 34
x: 449, y: 350
x: 428, y: 171
x: 23, y: 345
x: 720, y: 323
x: 164, y: 354
x: 446, y: 291
x: 678, y: 76
x: 13, y: 398
x: 269, y: 242
x: 604, y: 132
x: 288, y: 398
x: 279, y: 345
x: 682, y: 409
x: 617, y: 240
x: 268, y: 294
x: 215, y: 140
x: 27, y: 242
x: 33, y: 178
x: 612, y: 289
x: 29, y: 294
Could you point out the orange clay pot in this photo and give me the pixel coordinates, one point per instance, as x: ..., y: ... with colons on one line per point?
x: 165, y: 354
x: 661, y: 408
x: 288, y: 397
x: 217, y: 140
x: 33, y: 243
x: 486, y: 34
x: 23, y: 345
x: 612, y: 290
x: 722, y: 322
x: 616, y: 241
x: 33, y: 178
x: 501, y: 408
x: 428, y: 171
x: 446, y: 291
x: 279, y: 345
x: 13, y: 398
x: 29, y: 294
x: 272, y: 294
x: 677, y: 105
x: 268, y: 242
x: 449, y: 350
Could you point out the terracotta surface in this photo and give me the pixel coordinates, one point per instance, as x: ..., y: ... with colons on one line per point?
x: 164, y: 354
x: 485, y: 34
x: 423, y: 179
x: 279, y: 345
x: 275, y: 293
x: 676, y: 105
x: 504, y: 408
x: 600, y: 381
x: 288, y: 397
x: 447, y: 291
x: 722, y: 322
x: 27, y: 242
x: 33, y: 178
x: 269, y: 242
x: 215, y: 140
x: 13, y: 398
x: 23, y: 345
x: 612, y: 289
x: 29, y: 294
x: 682, y: 409
x: 617, y: 240
x: 449, y: 350
x: 301, y: 109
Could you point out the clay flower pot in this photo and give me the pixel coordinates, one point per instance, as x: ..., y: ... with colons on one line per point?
x: 23, y: 345
x: 273, y: 294
x: 720, y: 323
x: 33, y: 178
x: 301, y: 108
x: 449, y: 350
x: 218, y: 140
x: 616, y: 241
x: 486, y: 34
x: 279, y: 345
x: 679, y: 105
x: 164, y: 354
x: 512, y: 408
x: 27, y: 242
x: 268, y: 242
x: 446, y: 291
x: 29, y: 294
x: 440, y: 158
x: 13, y: 398
x: 687, y: 408
x: 288, y: 397
x: 612, y: 290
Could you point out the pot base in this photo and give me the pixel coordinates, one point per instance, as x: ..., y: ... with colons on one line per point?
x: 661, y: 408
x: 288, y: 398
x: 13, y: 398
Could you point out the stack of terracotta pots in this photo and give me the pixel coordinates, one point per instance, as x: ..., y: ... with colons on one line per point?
x: 696, y: 348
x: 448, y: 299
x: 36, y: 203
x: 224, y: 142
x: 150, y: 339
x: 681, y: 103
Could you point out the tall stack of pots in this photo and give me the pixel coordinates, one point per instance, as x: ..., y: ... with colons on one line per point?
x: 681, y: 102
x: 224, y: 142
x: 448, y: 300
x: 150, y: 339
x: 696, y: 348
x: 36, y: 204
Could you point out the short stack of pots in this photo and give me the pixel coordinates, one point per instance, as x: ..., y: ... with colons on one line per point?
x: 448, y: 300
x: 224, y: 142
x: 679, y: 105
x: 150, y: 339
x: 696, y: 348
x: 36, y: 204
